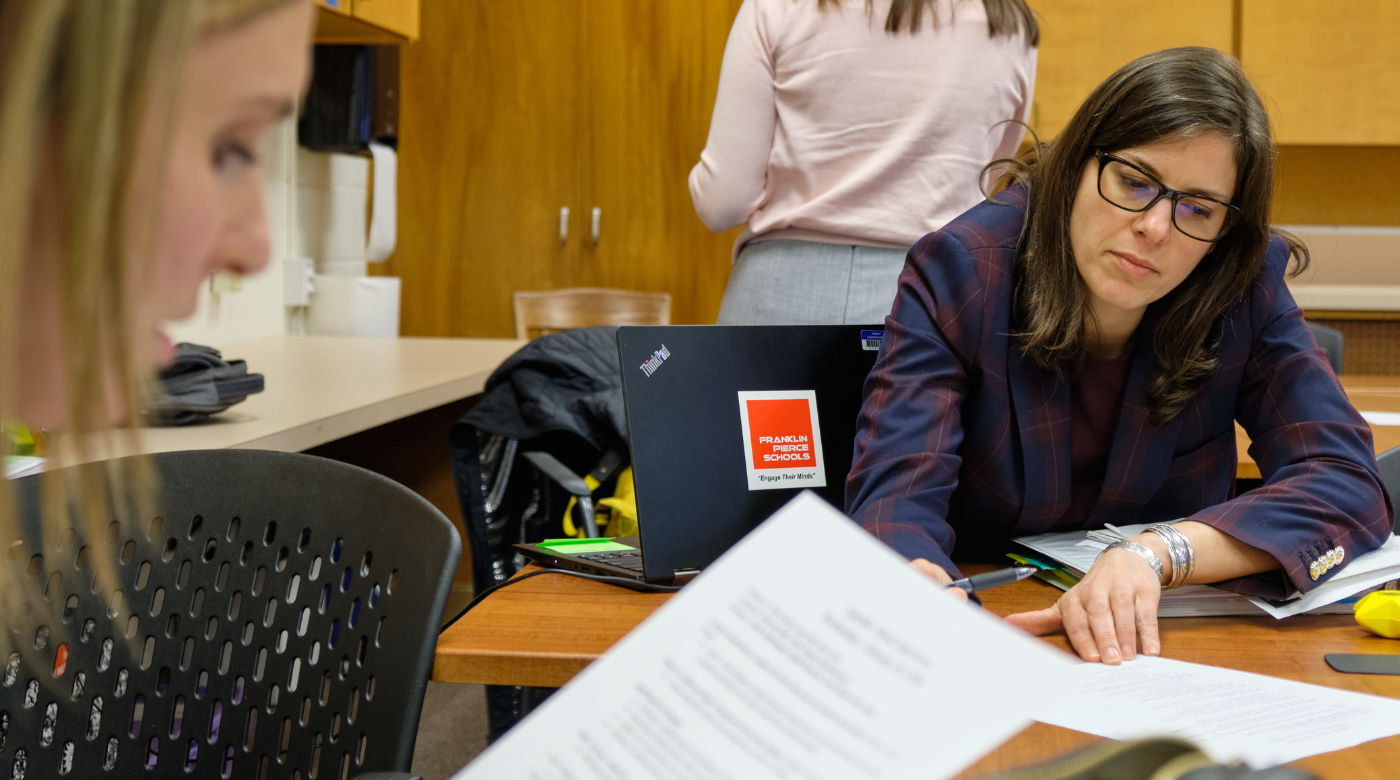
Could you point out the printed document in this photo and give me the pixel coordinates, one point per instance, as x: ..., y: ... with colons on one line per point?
x: 810, y: 650
x: 1232, y: 715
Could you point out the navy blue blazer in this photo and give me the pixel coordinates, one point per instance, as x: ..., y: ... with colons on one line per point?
x: 962, y: 443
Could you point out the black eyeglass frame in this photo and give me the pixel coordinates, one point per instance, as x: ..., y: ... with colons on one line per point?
x: 1163, y: 191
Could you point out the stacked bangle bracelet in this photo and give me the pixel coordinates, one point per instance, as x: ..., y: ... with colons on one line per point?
x: 1144, y: 552
x: 1182, y: 555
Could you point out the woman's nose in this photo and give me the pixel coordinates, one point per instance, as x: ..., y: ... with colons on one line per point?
x: 1155, y: 223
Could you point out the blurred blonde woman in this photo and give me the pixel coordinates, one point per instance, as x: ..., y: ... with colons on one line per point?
x: 129, y: 172
x: 843, y: 131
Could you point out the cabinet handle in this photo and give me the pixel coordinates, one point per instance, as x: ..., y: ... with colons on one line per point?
x: 597, y: 217
x: 564, y: 225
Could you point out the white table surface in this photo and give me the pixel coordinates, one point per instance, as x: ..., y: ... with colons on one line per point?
x: 322, y: 388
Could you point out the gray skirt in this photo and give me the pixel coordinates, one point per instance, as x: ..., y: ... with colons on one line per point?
x: 787, y: 282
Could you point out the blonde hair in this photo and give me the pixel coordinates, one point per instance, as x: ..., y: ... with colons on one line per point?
x: 80, y: 81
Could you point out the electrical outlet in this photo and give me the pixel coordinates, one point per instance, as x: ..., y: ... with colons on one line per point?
x: 298, y: 281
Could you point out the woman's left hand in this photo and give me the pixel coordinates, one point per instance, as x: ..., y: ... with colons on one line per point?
x: 1107, y: 612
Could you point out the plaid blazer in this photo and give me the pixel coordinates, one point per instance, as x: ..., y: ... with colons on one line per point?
x: 962, y: 443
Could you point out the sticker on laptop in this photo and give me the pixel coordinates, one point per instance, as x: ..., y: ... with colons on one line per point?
x: 782, y: 439
x: 870, y: 340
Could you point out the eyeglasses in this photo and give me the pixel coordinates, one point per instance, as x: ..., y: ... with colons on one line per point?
x: 1132, y: 189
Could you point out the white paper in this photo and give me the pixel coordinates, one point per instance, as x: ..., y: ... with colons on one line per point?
x: 810, y: 650
x: 1077, y: 551
x: 1381, y: 418
x: 384, y: 216
x: 1232, y: 715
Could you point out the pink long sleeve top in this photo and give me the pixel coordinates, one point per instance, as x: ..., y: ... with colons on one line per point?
x: 827, y: 128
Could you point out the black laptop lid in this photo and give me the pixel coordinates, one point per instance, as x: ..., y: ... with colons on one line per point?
x: 697, y: 491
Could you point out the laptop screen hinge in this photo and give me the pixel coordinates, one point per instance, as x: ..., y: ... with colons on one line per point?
x: 682, y: 576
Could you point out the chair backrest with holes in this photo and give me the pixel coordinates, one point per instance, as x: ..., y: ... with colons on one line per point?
x: 275, y: 618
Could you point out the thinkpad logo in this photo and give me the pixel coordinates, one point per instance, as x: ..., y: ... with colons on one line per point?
x: 654, y: 362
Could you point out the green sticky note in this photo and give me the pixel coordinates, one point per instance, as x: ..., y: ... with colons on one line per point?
x: 582, y: 546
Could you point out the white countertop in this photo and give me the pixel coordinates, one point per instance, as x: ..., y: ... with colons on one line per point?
x: 322, y: 388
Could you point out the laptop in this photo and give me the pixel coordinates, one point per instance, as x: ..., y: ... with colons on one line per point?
x: 727, y: 424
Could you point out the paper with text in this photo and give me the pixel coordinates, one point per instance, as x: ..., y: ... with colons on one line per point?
x: 810, y: 651
x: 1232, y: 715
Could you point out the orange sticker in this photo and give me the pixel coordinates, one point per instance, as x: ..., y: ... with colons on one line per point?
x: 782, y: 439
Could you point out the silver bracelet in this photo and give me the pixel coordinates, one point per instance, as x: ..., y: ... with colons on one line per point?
x: 1146, y: 553
x: 1182, y: 553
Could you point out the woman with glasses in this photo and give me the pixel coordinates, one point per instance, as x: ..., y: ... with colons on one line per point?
x: 1075, y: 351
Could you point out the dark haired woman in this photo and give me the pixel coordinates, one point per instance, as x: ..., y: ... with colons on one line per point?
x: 840, y: 141
x: 1076, y: 350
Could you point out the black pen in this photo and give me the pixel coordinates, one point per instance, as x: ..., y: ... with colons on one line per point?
x: 993, y: 579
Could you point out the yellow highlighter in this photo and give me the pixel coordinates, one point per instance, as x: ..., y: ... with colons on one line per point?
x: 1379, y: 613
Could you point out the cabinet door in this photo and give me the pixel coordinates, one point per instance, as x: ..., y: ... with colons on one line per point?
x: 400, y: 16
x: 652, y: 70
x: 1330, y: 71
x: 1082, y: 42
x: 488, y: 156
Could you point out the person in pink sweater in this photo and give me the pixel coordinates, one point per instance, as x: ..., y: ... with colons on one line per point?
x: 845, y: 131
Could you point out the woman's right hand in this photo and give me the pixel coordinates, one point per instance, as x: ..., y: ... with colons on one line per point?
x: 936, y: 573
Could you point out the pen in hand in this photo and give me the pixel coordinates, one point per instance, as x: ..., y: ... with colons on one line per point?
x: 992, y: 579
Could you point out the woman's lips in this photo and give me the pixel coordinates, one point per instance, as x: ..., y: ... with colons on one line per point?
x: 1134, y: 269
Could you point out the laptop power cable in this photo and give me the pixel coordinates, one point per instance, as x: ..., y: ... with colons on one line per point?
x: 621, y: 582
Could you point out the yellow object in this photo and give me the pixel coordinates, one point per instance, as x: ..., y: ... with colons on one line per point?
x: 1379, y: 613
x: 617, y: 514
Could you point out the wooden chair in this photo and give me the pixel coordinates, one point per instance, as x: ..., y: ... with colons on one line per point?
x: 583, y: 307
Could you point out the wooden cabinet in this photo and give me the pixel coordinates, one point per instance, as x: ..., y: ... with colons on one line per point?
x: 651, y: 72
x: 1082, y: 42
x: 377, y: 22
x: 513, y: 111
x: 488, y: 155
x: 1330, y: 71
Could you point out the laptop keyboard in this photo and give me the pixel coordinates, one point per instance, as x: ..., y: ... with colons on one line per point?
x: 630, y: 560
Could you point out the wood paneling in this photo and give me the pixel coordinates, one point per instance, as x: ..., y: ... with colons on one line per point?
x: 1330, y: 71
x: 1337, y: 185
x: 1082, y: 42
x: 488, y: 154
x: 653, y: 69
x: 400, y: 16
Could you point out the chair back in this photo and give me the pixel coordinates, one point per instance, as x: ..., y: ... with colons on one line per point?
x: 274, y: 617
x: 1389, y: 463
x: 1331, y: 340
x: 585, y: 307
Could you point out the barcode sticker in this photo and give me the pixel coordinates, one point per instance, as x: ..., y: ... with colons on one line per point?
x: 870, y: 339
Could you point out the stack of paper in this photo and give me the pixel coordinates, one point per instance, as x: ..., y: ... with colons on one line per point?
x: 1076, y: 551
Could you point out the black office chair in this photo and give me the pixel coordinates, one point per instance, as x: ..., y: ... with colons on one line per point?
x: 1329, y: 339
x: 276, y: 618
x: 1389, y: 463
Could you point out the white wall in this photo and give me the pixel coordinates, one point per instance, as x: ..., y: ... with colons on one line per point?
x: 317, y: 208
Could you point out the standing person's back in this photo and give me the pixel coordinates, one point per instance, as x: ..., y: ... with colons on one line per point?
x: 841, y: 142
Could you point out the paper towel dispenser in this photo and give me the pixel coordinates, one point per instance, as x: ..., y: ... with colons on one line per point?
x: 353, y: 107
x: 353, y: 99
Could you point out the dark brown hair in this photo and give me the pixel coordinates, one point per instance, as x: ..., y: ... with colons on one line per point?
x: 1176, y: 94
x: 1004, y: 17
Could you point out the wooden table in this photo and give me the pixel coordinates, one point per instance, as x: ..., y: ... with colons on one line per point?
x: 1368, y: 394
x: 545, y: 630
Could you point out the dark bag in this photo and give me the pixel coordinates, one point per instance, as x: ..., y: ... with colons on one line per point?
x: 200, y: 384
